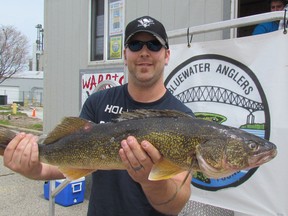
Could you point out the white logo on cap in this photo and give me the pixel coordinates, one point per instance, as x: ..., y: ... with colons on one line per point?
x: 145, y: 22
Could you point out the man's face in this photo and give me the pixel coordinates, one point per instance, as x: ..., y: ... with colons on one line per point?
x: 276, y: 6
x: 146, y: 67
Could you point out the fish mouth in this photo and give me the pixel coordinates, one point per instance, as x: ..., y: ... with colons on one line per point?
x: 262, y: 158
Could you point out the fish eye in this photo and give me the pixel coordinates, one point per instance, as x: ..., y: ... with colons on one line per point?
x: 253, y: 145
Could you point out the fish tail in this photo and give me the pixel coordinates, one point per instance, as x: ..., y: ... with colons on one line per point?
x: 6, y: 136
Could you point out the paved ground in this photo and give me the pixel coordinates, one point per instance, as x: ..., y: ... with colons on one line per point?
x: 23, y: 197
x: 38, y: 112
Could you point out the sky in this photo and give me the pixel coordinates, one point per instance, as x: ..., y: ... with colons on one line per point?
x: 24, y: 15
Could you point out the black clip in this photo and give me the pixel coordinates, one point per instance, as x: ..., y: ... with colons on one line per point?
x: 285, y: 22
x: 189, y: 40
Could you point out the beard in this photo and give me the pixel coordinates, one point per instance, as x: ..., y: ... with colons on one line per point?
x: 146, y: 80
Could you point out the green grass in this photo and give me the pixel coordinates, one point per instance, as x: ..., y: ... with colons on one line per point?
x: 4, y: 122
x: 10, y: 112
x: 5, y: 108
x: 5, y: 111
x: 36, y: 127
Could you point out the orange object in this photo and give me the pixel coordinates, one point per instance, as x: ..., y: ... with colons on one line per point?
x: 34, y: 112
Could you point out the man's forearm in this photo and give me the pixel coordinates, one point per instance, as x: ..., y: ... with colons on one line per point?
x: 166, y: 196
x: 49, y: 172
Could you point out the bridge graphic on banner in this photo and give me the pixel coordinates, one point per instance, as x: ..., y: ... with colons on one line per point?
x: 220, y: 95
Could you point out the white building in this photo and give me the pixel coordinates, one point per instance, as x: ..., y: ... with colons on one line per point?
x: 24, y: 87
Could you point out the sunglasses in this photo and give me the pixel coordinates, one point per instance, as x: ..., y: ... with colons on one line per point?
x: 153, y: 45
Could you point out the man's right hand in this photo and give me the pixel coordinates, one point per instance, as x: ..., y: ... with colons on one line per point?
x: 22, y: 156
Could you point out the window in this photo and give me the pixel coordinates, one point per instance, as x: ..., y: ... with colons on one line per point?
x: 97, y: 30
x: 249, y: 8
x: 107, y: 21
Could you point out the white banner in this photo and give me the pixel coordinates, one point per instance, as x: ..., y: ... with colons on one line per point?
x: 243, y: 83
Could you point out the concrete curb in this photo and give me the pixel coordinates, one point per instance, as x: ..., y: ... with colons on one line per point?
x: 26, y: 130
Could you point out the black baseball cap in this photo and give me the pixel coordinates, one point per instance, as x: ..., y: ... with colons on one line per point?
x: 149, y: 25
x: 283, y: 1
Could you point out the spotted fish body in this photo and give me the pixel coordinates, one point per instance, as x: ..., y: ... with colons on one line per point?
x: 79, y: 147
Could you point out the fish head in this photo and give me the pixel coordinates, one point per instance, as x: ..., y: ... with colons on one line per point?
x: 238, y: 150
x: 248, y: 152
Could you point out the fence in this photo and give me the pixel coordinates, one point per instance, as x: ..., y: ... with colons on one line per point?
x: 23, y: 98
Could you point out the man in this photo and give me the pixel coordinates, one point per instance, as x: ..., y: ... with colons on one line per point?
x: 283, y: 24
x: 275, y: 5
x: 127, y: 192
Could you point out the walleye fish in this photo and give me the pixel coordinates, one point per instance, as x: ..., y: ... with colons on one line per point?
x: 79, y: 147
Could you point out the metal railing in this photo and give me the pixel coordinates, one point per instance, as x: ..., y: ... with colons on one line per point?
x: 23, y: 98
x: 228, y: 24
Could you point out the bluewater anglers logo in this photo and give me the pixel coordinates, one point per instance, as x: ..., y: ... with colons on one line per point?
x: 221, y: 89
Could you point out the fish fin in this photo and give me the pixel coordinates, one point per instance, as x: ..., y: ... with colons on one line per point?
x: 6, y: 136
x: 178, y: 170
x: 73, y: 173
x: 69, y: 125
x: 144, y: 113
x: 164, y: 170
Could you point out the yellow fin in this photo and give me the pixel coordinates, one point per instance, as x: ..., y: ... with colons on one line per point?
x: 68, y: 126
x: 73, y: 174
x: 164, y: 170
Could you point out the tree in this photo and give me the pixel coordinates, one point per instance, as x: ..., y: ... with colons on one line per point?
x: 13, y: 52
